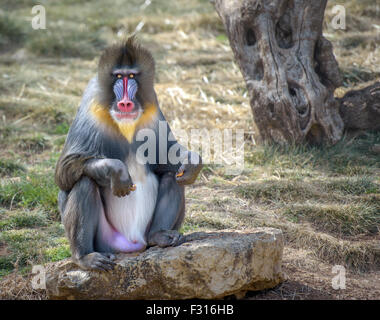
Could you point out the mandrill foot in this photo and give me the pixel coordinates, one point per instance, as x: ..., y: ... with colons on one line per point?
x: 96, y: 261
x: 166, y: 238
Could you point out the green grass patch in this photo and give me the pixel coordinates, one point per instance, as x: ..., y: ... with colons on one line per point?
x: 338, y: 219
x: 35, y: 144
x: 59, y: 142
x: 274, y: 191
x: 32, y: 191
x: 353, y: 185
x: 26, y: 247
x: 66, y: 43
x: 188, y: 227
x: 12, y: 30
x: 6, y: 264
x: 62, y: 128
x: 208, y: 221
x: 54, y: 117
x: 222, y: 38
x: 346, y: 157
x: 60, y: 251
x: 293, y: 190
x: 23, y: 219
x: 6, y: 131
x: 9, y: 168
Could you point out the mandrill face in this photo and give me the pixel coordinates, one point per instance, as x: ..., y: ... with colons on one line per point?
x: 125, y: 107
x: 125, y: 76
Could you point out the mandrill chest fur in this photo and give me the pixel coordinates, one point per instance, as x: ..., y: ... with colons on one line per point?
x: 131, y: 214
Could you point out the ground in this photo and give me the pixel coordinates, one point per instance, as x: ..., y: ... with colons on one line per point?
x: 325, y: 199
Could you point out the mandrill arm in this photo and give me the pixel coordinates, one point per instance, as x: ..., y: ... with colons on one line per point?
x: 190, y: 167
x: 111, y: 173
x: 186, y: 168
x: 170, y: 208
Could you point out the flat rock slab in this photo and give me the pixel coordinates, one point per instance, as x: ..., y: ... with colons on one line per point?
x: 207, y: 266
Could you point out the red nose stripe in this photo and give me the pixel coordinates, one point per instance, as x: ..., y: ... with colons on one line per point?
x: 125, y: 88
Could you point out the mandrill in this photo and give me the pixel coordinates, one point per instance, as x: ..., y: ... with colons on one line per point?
x: 111, y: 200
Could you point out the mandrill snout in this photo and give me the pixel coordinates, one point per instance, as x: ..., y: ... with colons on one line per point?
x: 125, y: 105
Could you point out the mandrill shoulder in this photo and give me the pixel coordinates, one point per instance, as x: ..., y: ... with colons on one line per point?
x: 93, y: 118
x: 90, y: 93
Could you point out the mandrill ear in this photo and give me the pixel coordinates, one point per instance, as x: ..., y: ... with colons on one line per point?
x: 127, y: 53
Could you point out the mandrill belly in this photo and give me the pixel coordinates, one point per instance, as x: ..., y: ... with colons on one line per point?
x: 130, y: 215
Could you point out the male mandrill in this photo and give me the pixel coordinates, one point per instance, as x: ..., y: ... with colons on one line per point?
x: 110, y: 201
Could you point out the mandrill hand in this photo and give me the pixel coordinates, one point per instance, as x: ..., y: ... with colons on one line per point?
x: 188, y: 172
x: 111, y: 173
x: 121, y: 182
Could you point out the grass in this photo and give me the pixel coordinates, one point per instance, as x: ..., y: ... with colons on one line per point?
x: 30, y: 191
x: 325, y: 199
x: 64, y: 44
x: 12, y: 31
x: 29, y: 246
x: 8, y: 167
x: 346, y: 157
x: 23, y: 219
x: 337, y: 219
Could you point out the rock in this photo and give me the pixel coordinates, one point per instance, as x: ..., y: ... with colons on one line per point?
x: 207, y: 266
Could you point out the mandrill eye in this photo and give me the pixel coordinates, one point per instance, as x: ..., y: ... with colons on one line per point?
x: 119, y: 76
x: 131, y: 76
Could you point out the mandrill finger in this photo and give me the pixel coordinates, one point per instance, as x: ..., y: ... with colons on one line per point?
x: 177, y: 239
x: 109, y: 265
x: 110, y: 256
x: 98, y: 268
x: 122, y: 193
x: 105, y: 263
x: 183, y: 179
x: 101, y: 267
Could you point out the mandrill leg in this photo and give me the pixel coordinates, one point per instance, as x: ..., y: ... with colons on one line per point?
x: 168, y: 214
x: 81, y: 217
x: 92, y: 239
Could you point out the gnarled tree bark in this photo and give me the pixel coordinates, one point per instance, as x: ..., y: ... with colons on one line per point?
x: 288, y: 66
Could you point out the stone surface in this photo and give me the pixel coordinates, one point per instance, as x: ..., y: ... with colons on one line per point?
x: 206, y: 266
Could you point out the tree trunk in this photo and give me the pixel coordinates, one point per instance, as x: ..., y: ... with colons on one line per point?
x: 288, y: 66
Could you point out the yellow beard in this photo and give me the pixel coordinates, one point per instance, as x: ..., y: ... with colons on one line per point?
x: 128, y: 130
